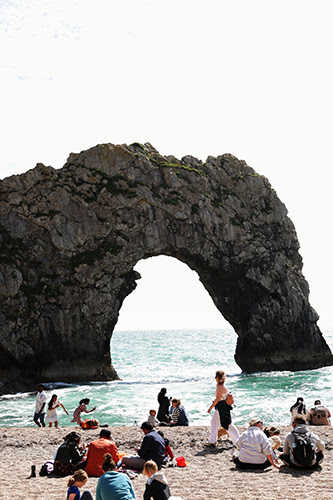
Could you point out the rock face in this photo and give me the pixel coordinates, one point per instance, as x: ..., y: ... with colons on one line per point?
x: 69, y: 240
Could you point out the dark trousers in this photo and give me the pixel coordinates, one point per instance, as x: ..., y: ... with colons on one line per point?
x: 243, y: 465
x: 286, y: 459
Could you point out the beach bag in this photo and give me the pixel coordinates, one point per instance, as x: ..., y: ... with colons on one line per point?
x: 303, y: 449
x: 47, y: 468
x: 229, y: 399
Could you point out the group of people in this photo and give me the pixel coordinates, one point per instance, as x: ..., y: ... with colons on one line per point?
x: 170, y: 412
x: 102, y: 459
x: 257, y: 447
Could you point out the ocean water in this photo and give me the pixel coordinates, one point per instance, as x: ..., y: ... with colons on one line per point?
x: 183, y: 361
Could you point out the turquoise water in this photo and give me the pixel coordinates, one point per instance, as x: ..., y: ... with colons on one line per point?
x: 183, y: 361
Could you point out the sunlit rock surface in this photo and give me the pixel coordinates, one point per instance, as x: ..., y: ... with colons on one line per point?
x: 69, y: 240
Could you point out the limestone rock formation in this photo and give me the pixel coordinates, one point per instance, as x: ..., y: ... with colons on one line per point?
x: 70, y: 238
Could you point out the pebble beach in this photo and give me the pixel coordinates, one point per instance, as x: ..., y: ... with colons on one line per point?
x: 210, y: 473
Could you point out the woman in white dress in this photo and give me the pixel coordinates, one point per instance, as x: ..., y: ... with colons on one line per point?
x: 221, y: 394
x: 52, y: 414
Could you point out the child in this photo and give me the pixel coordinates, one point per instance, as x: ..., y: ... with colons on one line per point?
x: 168, y: 450
x: 275, y: 445
x: 152, y: 418
x: 81, y: 408
x: 157, y: 486
x: 78, y: 480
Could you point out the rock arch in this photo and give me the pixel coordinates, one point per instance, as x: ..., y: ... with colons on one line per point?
x: 70, y: 239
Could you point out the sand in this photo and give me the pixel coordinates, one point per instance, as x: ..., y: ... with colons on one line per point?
x: 210, y: 473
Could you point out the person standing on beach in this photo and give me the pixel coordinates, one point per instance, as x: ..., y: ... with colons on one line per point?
x: 52, y: 414
x: 81, y: 408
x: 164, y: 402
x: 39, y: 416
x: 222, y: 415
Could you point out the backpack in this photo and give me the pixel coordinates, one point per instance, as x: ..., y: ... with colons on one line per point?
x: 47, y: 468
x: 303, y: 449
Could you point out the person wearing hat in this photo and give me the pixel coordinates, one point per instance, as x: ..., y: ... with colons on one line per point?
x: 255, y: 451
x: 319, y: 414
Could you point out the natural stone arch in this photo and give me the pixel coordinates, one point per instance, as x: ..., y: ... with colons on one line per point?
x: 70, y: 239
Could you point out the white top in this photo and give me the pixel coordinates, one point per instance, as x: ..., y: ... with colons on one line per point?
x: 40, y: 399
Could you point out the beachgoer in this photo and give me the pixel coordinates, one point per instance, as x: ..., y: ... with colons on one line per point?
x: 113, y: 484
x: 40, y: 406
x: 152, y: 448
x: 311, y: 454
x: 70, y: 455
x: 157, y: 487
x: 179, y: 414
x: 96, y: 451
x: 222, y: 413
x: 164, y: 402
x: 152, y: 418
x: 52, y: 414
x: 77, y: 481
x: 299, y: 410
x: 319, y: 414
x: 255, y: 451
x: 271, y: 430
x: 81, y: 408
x: 168, y: 450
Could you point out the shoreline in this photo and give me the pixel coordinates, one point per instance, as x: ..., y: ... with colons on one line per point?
x: 210, y: 473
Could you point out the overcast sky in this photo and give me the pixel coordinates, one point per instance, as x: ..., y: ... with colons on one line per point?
x: 251, y: 78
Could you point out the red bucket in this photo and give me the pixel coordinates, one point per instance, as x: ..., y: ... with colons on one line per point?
x: 181, y: 461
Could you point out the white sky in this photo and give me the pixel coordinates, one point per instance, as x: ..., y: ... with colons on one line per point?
x: 251, y: 78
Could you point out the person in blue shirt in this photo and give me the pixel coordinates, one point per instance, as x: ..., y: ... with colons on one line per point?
x: 78, y: 480
x: 113, y: 484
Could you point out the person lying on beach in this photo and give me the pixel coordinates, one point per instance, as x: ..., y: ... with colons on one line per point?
x: 302, y: 449
x: 157, y: 487
x: 78, y: 480
x: 96, y: 451
x: 255, y: 451
x: 152, y: 448
x: 52, y: 414
x: 81, y: 408
x: 70, y: 455
x: 113, y: 485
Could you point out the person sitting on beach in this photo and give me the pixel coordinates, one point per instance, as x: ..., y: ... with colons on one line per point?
x: 113, y: 485
x: 168, y: 451
x: 152, y: 448
x: 152, y: 418
x: 52, y: 414
x: 157, y: 487
x: 271, y: 430
x: 222, y: 413
x: 81, y: 408
x: 40, y: 406
x: 299, y: 410
x: 302, y: 449
x: 164, y: 403
x: 319, y: 414
x: 179, y: 414
x: 78, y: 480
x: 255, y: 451
x: 70, y: 455
x: 96, y: 451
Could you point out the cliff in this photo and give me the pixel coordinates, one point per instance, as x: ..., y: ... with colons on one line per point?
x: 70, y: 238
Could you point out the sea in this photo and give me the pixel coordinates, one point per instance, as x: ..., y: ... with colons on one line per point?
x: 184, y: 362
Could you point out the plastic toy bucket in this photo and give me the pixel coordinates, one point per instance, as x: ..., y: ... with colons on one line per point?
x: 181, y: 461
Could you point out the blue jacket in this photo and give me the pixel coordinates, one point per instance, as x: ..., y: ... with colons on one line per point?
x: 115, y: 485
x: 153, y: 448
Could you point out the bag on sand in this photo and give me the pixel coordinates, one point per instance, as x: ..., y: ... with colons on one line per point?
x: 303, y: 449
x: 47, y: 468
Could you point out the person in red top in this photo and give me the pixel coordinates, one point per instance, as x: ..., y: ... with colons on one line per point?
x: 97, y: 449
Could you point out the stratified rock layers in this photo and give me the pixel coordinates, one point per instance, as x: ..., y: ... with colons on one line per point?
x: 69, y: 240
